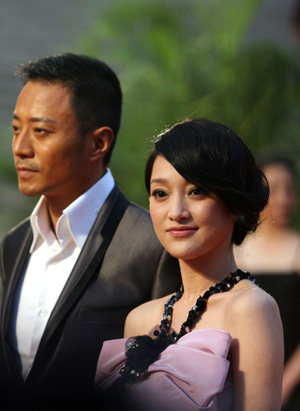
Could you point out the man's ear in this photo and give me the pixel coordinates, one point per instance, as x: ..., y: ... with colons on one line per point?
x: 101, y: 139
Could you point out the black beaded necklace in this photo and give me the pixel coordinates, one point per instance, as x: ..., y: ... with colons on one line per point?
x: 142, y: 350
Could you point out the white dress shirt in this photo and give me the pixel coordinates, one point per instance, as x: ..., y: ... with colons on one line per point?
x: 51, y: 261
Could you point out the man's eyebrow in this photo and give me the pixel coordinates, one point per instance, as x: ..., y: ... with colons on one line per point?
x: 38, y: 119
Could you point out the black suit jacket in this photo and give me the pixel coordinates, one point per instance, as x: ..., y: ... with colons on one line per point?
x: 107, y: 281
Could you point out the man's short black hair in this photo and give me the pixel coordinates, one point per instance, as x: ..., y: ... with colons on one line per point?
x: 96, y: 96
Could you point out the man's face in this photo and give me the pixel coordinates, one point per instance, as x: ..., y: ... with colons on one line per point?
x: 51, y: 158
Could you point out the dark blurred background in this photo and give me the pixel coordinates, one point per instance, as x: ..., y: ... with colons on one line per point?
x: 232, y: 61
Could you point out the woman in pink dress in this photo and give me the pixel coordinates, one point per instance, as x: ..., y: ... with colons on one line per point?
x: 217, y: 343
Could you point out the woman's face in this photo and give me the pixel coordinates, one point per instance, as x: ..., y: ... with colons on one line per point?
x: 189, y: 223
x: 282, y: 194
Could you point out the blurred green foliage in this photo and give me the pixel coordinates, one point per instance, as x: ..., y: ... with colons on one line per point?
x: 188, y: 58
x: 179, y: 59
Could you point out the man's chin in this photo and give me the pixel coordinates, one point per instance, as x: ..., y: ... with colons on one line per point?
x: 29, y: 192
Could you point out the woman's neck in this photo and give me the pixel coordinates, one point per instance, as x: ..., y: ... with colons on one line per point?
x: 198, y: 276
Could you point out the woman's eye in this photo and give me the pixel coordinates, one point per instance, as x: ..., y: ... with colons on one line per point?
x: 158, y: 194
x: 198, y: 191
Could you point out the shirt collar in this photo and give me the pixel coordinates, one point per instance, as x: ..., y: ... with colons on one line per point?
x: 77, y: 219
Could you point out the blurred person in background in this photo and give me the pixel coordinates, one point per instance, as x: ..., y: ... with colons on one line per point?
x: 272, y: 255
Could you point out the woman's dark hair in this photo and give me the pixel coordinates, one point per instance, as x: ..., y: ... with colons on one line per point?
x: 210, y: 155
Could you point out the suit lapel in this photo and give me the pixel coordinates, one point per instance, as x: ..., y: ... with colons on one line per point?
x: 8, y: 298
x: 15, y: 276
x: 89, y: 260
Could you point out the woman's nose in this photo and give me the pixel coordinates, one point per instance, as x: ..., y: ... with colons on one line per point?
x: 178, y: 210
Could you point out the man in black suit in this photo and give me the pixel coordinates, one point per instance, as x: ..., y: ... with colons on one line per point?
x: 86, y: 256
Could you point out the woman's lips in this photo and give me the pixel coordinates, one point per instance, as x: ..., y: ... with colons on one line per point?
x: 182, y: 231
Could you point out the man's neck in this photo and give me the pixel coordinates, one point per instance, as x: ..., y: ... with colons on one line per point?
x: 53, y: 218
x: 57, y: 205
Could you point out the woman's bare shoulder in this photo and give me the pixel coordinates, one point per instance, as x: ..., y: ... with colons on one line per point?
x: 144, y: 317
x: 252, y: 307
x: 251, y: 295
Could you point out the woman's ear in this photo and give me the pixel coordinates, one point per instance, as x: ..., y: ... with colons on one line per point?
x: 101, y: 139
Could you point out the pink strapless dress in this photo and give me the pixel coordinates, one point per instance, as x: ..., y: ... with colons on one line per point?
x: 189, y: 375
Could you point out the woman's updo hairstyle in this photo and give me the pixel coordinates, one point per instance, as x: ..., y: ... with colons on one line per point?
x: 211, y: 156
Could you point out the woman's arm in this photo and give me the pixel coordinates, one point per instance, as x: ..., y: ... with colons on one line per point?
x: 291, y: 375
x: 257, y: 352
x: 132, y: 323
x: 143, y: 318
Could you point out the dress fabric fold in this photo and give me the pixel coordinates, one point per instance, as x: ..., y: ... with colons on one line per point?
x: 189, y: 375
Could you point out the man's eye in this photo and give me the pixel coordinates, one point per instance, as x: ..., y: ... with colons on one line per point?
x: 14, y: 128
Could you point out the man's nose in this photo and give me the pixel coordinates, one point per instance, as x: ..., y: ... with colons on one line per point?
x: 22, y: 146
